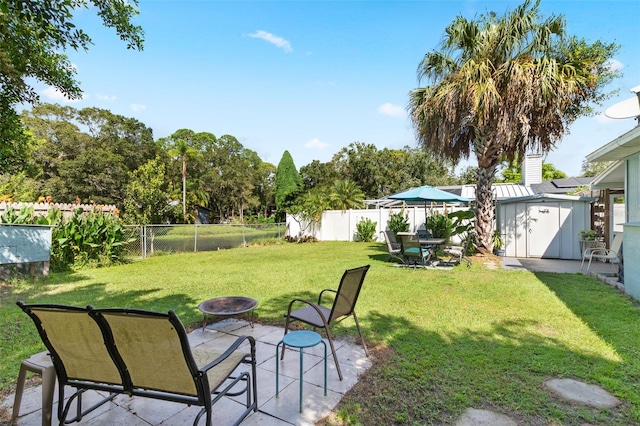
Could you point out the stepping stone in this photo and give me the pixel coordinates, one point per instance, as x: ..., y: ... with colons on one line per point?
x: 475, y: 417
x: 582, y: 393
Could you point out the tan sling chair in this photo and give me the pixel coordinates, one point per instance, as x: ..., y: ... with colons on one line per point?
x: 139, y: 353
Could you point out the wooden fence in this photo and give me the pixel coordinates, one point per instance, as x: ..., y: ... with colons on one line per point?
x: 41, y: 209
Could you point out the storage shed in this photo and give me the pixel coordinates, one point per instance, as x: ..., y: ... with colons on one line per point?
x: 543, y: 225
x: 24, y: 249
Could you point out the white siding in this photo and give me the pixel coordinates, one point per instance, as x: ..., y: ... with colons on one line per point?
x: 631, y: 253
x: 532, y: 170
x: 632, y: 191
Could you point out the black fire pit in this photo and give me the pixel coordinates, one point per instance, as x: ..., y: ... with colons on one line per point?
x: 229, y: 306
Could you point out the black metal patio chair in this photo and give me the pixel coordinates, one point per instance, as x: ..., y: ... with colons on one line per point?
x: 343, y: 306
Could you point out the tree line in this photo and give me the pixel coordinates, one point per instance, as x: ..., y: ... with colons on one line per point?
x: 91, y: 155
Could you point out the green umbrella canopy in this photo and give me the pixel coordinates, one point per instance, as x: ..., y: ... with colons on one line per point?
x: 428, y: 193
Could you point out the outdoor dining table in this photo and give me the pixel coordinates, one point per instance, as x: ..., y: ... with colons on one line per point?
x: 431, y: 243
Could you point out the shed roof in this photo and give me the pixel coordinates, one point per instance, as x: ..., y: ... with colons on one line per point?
x: 555, y: 189
x: 501, y: 191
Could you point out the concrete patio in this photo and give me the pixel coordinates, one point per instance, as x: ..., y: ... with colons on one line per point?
x: 603, y: 271
x: 124, y: 410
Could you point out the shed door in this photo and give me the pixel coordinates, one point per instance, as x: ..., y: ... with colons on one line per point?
x: 543, y: 233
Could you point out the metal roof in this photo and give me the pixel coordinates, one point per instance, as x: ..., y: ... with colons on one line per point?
x: 501, y: 191
x: 548, y: 197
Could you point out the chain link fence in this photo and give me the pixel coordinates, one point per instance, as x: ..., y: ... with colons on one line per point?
x: 147, y: 240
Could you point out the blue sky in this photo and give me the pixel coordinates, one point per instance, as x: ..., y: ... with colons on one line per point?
x: 311, y: 77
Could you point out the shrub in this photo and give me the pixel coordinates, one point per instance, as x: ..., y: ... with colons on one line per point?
x: 398, y: 222
x: 587, y: 234
x: 88, y: 238
x: 260, y: 219
x: 366, y: 229
x: 301, y: 239
x: 85, y: 238
x: 440, y: 225
x: 463, y: 225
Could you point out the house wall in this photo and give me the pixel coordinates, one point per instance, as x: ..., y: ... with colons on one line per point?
x: 558, y: 235
x: 631, y: 240
x: 631, y: 252
x: 632, y: 190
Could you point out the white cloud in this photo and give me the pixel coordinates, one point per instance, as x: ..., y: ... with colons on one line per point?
x: 273, y: 39
x: 391, y: 110
x: 138, y: 107
x: 614, y: 65
x: 106, y: 97
x: 316, y: 144
x: 55, y: 95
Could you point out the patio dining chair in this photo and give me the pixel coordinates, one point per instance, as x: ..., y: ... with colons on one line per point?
x: 343, y: 306
x: 393, y: 246
x: 458, y: 253
x: 413, y: 253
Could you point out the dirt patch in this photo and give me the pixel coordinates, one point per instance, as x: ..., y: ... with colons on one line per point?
x: 380, y: 356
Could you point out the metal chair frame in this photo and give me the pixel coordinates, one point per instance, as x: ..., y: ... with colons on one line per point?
x: 393, y: 247
x: 458, y: 253
x: 106, y: 366
x: 603, y: 253
x: 319, y: 316
x: 413, y: 253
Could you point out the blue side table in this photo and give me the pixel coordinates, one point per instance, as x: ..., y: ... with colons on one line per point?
x: 301, y: 339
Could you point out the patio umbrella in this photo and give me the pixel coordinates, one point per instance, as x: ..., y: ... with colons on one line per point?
x: 427, y: 194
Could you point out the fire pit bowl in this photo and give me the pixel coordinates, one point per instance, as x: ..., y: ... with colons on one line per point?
x: 227, y: 307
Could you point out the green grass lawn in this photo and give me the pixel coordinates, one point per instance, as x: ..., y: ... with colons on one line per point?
x: 445, y: 340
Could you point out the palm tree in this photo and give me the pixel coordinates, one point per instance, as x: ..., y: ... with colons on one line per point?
x: 346, y: 194
x: 502, y: 87
x: 179, y: 147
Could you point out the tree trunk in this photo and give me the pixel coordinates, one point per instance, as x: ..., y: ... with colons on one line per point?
x: 184, y: 188
x: 485, y: 209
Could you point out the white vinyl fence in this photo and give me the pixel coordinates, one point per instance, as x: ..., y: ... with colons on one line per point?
x: 337, y: 225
